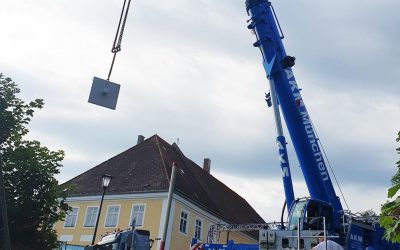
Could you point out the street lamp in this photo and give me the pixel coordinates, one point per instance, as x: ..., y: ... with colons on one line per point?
x: 105, y: 182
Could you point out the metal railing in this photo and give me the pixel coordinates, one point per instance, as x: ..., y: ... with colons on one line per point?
x: 215, y: 230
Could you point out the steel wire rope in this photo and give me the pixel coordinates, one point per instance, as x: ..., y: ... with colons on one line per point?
x: 329, y: 164
x: 119, y: 34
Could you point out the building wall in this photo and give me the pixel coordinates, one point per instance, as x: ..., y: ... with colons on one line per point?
x: 154, y: 217
x: 81, y: 235
x: 181, y: 241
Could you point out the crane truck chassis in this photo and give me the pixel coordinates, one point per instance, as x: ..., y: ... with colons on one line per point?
x: 322, y: 211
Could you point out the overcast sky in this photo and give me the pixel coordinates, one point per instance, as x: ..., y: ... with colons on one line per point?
x: 188, y: 70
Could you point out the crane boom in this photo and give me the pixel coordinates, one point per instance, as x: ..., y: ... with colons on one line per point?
x: 322, y: 212
x: 278, y: 68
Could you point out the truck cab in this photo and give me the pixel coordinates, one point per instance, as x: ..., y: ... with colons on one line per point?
x: 124, y: 240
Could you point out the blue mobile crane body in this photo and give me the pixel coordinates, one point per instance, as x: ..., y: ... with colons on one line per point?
x: 283, y: 85
x: 278, y: 68
x: 350, y: 231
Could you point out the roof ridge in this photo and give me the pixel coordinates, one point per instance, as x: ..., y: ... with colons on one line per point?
x: 202, y: 182
x: 189, y: 164
x: 162, y: 158
x: 210, y: 175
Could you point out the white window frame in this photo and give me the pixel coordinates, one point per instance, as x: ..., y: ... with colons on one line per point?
x: 76, y: 219
x: 86, y: 214
x: 66, y: 237
x: 119, y: 212
x: 201, y: 228
x: 187, y: 221
x: 131, y: 217
x: 209, y: 227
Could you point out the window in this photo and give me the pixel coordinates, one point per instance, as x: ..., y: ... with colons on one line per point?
x: 197, y: 228
x: 112, y: 216
x: 210, y: 228
x: 72, y: 215
x: 137, y: 214
x: 183, y: 222
x: 91, y: 216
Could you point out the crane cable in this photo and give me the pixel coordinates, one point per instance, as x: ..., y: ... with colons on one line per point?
x: 330, y: 167
x: 120, y: 32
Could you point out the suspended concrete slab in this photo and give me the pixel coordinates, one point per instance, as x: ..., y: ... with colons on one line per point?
x: 104, y: 93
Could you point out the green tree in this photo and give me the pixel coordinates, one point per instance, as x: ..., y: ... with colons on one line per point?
x: 34, y: 199
x: 368, y: 213
x: 390, y: 211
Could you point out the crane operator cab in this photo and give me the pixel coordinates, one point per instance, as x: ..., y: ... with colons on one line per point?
x: 310, y: 213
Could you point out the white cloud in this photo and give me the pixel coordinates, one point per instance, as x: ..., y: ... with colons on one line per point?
x: 266, y: 195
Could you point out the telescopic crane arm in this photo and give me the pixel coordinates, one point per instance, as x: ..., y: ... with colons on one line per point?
x: 278, y: 65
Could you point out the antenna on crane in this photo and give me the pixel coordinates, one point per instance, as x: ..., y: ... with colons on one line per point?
x: 104, y: 92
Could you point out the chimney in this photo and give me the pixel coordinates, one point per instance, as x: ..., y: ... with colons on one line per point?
x: 140, y: 139
x: 207, y: 165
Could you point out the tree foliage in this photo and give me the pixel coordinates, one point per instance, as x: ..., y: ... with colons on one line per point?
x: 368, y: 213
x: 34, y: 199
x: 390, y: 211
x: 14, y: 113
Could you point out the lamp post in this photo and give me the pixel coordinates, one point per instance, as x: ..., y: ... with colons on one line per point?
x: 105, y: 182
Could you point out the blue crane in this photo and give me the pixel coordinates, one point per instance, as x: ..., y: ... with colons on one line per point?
x: 351, y: 231
x: 322, y: 212
x: 286, y: 96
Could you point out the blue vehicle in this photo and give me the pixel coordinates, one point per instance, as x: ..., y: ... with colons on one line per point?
x: 323, y: 209
x: 230, y: 245
x: 309, y: 216
x: 124, y: 240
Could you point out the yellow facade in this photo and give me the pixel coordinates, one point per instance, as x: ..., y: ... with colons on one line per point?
x: 154, y: 216
x: 180, y: 240
x: 152, y: 211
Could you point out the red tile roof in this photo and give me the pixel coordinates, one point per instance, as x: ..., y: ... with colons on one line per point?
x: 147, y: 167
